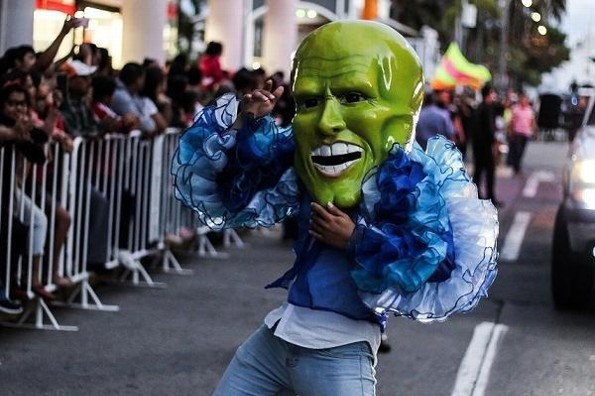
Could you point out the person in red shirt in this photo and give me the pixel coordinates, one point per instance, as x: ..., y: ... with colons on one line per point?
x: 210, y: 66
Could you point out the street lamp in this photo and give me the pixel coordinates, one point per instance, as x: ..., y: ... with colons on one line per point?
x: 536, y: 16
x: 542, y: 30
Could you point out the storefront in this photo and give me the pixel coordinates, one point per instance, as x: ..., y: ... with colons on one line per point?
x: 105, y: 28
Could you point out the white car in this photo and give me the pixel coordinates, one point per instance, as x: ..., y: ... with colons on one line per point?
x: 573, y: 247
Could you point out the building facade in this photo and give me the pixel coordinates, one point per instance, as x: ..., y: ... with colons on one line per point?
x: 254, y: 32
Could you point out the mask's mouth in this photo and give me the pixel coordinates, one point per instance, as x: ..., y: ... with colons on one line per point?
x: 332, y: 160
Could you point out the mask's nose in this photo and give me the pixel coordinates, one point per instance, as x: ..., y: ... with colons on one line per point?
x: 331, y: 120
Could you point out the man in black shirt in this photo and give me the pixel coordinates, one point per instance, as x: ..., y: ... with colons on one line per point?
x: 483, y: 140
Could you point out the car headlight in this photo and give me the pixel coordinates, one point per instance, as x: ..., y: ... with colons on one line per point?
x: 586, y: 196
x: 584, y: 171
x: 583, y: 183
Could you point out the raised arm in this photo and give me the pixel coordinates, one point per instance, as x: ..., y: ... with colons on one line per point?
x: 237, y: 172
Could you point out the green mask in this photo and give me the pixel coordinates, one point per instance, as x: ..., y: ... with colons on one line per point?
x: 358, y: 87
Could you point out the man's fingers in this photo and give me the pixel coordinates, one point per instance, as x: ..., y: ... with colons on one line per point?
x: 316, y: 235
x: 261, y: 96
x: 279, y: 91
x: 320, y: 211
x: 332, y: 209
x: 268, y: 85
x: 319, y: 225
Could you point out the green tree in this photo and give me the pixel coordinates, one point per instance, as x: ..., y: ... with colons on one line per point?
x: 529, y: 54
x: 540, y: 53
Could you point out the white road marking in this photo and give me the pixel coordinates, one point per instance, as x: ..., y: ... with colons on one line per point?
x: 474, y: 371
x: 512, y: 243
x: 530, y: 189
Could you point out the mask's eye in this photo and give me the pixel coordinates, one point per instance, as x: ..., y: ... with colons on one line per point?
x: 352, y: 97
x: 309, y: 103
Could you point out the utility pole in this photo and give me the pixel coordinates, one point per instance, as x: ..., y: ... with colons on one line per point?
x: 502, y: 81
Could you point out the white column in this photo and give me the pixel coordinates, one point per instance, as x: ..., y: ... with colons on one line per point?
x: 225, y: 24
x: 280, y: 35
x: 143, y: 24
x: 16, y: 23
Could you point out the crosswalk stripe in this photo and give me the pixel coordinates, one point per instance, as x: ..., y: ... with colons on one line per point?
x: 474, y: 370
x: 514, y: 239
x: 530, y: 189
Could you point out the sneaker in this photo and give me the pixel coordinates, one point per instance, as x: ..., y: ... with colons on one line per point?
x: 10, y: 307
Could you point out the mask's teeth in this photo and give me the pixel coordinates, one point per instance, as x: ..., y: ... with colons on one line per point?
x: 339, y: 149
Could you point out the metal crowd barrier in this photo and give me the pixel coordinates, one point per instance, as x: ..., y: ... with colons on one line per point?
x: 118, y: 196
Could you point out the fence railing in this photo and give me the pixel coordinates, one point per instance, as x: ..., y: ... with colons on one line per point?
x: 107, y: 204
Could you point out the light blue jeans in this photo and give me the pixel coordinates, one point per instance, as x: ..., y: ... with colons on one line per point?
x: 267, y: 365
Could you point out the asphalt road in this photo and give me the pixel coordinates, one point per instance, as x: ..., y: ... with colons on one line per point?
x: 178, y: 340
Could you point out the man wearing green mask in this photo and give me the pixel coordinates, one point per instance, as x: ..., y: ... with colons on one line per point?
x: 378, y: 216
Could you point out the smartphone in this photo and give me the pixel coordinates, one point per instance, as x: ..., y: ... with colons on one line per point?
x: 81, y: 22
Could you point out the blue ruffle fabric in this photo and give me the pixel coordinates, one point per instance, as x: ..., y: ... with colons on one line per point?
x: 256, y: 188
x: 425, y: 245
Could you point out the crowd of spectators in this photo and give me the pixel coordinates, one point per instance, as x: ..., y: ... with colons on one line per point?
x: 47, y: 100
x: 483, y: 125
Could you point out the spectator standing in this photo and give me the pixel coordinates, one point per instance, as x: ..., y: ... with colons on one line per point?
x: 466, y: 105
x: 128, y: 100
x: 210, y: 66
x: 433, y: 120
x: 522, y: 127
x: 103, y: 92
x: 78, y: 118
x: 14, y: 106
x: 153, y: 94
x: 483, y: 142
x: 25, y: 59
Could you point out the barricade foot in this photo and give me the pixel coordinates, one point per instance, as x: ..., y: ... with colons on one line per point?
x: 41, y: 310
x: 231, y: 237
x: 134, y: 269
x: 172, y: 265
x: 85, y: 291
x: 206, y: 249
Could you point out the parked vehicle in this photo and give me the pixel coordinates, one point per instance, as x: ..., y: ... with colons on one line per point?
x: 549, y: 114
x: 573, y: 247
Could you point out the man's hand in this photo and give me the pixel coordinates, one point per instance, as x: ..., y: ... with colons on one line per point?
x: 64, y: 140
x: 330, y: 225
x: 261, y: 102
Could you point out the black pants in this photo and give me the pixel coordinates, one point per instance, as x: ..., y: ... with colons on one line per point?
x: 518, y: 142
x: 484, y: 163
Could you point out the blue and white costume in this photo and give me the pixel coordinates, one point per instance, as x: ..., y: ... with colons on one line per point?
x: 424, y: 245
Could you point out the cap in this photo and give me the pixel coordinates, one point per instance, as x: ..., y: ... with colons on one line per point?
x: 78, y: 68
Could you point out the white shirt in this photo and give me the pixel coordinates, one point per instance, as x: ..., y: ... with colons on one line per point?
x: 316, y: 329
